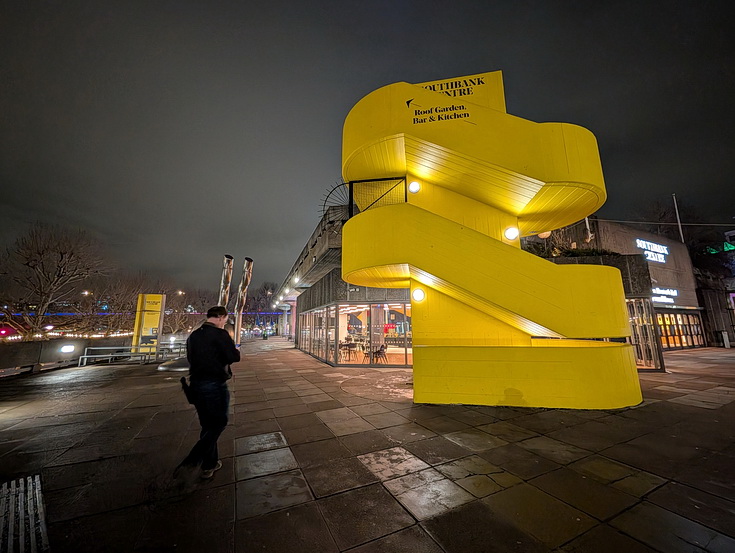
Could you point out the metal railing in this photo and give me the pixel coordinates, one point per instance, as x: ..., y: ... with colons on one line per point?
x: 366, y: 194
x: 143, y: 354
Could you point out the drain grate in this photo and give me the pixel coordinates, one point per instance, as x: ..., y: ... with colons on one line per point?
x: 22, y: 518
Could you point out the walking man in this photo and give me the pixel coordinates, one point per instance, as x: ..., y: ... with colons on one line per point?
x: 210, y: 350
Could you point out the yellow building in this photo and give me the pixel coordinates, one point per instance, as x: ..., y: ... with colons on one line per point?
x: 446, y: 183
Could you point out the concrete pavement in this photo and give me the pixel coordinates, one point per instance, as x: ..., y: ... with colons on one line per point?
x: 328, y: 459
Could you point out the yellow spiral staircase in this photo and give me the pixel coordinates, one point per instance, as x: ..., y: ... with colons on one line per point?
x: 496, y: 325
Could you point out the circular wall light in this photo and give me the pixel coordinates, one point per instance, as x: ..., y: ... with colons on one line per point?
x: 67, y: 349
x: 418, y: 294
x: 511, y: 233
x: 414, y: 187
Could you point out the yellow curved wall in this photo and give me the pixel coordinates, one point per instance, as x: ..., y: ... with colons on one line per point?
x: 498, y: 326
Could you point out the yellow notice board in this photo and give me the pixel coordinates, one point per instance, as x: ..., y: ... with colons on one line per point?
x: 148, y: 321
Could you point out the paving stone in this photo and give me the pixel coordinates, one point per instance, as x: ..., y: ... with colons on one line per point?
x: 403, y: 484
x: 299, y: 529
x: 290, y: 410
x: 639, y: 484
x: 504, y: 479
x: 317, y: 453
x: 260, y: 442
x: 603, y: 469
x: 710, y: 510
x: 592, y: 435
x: 337, y: 476
x: 298, y: 421
x: 604, y: 539
x: 436, y: 450
x: 370, y: 409
x: 256, y: 427
x: 644, y: 459
x: 325, y: 405
x: 392, y: 463
x: 107, y: 531
x: 443, y: 424
x: 713, y: 473
x: 315, y: 433
x: 539, y: 514
x: 433, y: 498
x: 358, y: 516
x: 384, y: 420
x: 471, y: 417
x: 475, y: 527
x: 474, y: 439
x: 467, y: 466
x: 419, y: 412
x: 317, y: 398
x: 406, y: 433
x: 507, y: 431
x: 264, y: 462
x: 549, y: 420
x: 349, y: 426
x: 366, y: 442
x: 252, y: 406
x: 479, y: 485
x: 336, y: 415
x: 262, y: 495
x: 553, y: 449
x: 88, y: 499
x: 169, y: 526
x: 413, y: 539
x: 584, y: 493
x: 519, y: 461
x: 666, y: 531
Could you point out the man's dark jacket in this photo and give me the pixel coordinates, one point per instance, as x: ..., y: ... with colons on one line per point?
x: 210, y: 350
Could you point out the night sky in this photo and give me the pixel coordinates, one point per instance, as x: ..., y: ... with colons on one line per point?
x: 178, y: 131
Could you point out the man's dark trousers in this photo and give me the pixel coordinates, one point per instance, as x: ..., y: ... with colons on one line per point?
x: 212, y: 403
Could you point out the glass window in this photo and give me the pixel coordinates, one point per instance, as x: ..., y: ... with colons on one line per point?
x: 331, y: 334
x: 377, y: 334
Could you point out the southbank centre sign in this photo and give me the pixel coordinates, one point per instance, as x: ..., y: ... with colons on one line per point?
x: 652, y: 251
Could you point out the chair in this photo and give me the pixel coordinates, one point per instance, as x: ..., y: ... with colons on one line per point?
x: 380, y: 355
x: 351, y: 350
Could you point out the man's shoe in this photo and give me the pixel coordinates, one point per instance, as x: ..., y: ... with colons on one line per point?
x: 210, y: 472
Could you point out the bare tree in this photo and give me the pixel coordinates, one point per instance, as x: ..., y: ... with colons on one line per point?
x: 117, y: 298
x: 261, y: 298
x: 42, y: 271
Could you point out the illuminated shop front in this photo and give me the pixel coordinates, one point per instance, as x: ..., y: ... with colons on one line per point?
x: 336, y: 322
x: 663, y: 305
x: 362, y: 333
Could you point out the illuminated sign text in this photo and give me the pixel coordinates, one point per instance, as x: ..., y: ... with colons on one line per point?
x: 652, y: 251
